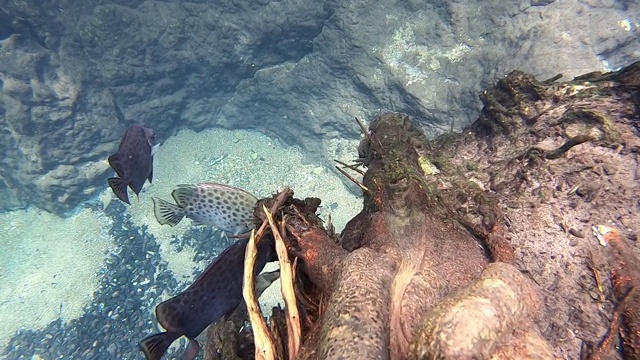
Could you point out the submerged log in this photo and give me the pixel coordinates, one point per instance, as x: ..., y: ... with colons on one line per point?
x: 477, y: 245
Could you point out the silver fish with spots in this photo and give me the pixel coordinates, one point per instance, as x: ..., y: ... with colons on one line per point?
x: 221, y: 206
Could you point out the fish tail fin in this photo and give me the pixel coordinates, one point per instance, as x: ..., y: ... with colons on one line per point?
x: 154, y: 346
x: 166, y: 212
x: 119, y: 187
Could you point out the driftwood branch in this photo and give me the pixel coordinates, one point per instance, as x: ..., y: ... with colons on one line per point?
x: 263, y: 341
x: 265, y: 346
x: 288, y: 292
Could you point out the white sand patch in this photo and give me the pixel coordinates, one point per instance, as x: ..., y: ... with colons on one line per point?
x: 48, y: 267
x: 272, y: 296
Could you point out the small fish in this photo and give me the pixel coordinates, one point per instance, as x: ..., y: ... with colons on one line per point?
x: 224, y: 207
x: 133, y: 162
x: 214, y: 294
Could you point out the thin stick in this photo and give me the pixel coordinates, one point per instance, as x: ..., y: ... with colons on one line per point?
x: 288, y: 292
x: 360, y: 185
x: 263, y: 340
x: 367, y: 134
x: 363, y: 128
x: 352, y: 167
x: 610, y: 336
x: 280, y: 199
x: 597, y: 278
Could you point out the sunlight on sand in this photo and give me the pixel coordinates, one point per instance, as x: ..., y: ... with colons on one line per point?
x: 49, y: 265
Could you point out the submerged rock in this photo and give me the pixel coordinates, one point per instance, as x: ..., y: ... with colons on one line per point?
x: 74, y: 75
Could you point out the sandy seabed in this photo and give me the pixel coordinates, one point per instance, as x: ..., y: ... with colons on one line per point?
x: 49, y: 266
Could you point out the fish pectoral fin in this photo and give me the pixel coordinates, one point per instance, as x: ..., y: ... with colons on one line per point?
x: 119, y: 187
x: 183, y: 193
x: 114, y: 162
x: 150, y: 177
x: 154, y: 346
x: 193, y: 348
x: 196, y: 222
x: 265, y: 279
x: 154, y: 148
x: 166, y: 212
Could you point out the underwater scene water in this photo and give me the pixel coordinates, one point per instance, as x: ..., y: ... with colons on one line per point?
x: 85, y: 287
x: 253, y: 95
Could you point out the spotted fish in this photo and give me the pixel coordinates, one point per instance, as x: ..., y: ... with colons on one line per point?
x: 214, y: 294
x: 133, y: 162
x: 224, y: 207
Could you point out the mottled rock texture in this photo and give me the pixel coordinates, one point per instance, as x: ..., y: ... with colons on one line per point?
x: 75, y: 73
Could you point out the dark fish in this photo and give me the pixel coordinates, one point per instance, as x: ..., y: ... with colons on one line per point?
x: 133, y: 162
x: 214, y: 294
x: 222, y: 206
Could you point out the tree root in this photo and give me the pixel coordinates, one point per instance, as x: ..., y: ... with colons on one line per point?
x: 625, y: 280
x: 472, y: 324
x: 265, y: 349
x: 267, y: 342
x: 288, y: 292
x: 556, y: 153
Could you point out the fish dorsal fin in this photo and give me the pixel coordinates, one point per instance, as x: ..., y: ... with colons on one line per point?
x: 182, y: 194
x: 237, y: 246
x: 229, y: 188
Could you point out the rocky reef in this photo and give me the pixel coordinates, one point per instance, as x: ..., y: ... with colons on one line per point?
x: 74, y: 74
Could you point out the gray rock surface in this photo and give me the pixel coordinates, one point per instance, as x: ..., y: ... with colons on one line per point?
x: 75, y: 73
